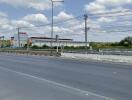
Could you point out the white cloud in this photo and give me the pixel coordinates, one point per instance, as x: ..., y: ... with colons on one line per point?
x: 3, y: 18
x: 98, y: 6
x: 3, y: 14
x: 36, y: 18
x: 9, y: 27
x: 69, y: 20
x: 21, y: 23
x: 4, y: 22
x: 63, y: 16
x: 94, y: 7
x: 71, y: 25
x: 28, y: 22
x: 106, y: 20
x: 104, y: 5
x: 36, y: 4
x: 113, y: 2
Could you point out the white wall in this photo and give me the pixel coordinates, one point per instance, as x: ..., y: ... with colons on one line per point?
x: 75, y: 44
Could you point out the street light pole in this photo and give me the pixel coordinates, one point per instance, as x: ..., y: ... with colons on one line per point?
x: 52, y: 27
x: 52, y: 24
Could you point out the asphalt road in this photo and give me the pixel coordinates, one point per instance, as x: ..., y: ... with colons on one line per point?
x: 49, y: 78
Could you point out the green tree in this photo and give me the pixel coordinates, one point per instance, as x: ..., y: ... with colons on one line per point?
x: 126, y: 41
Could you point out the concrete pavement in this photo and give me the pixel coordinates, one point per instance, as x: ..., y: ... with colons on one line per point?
x: 99, y: 57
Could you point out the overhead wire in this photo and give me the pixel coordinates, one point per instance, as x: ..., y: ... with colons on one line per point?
x: 105, y: 14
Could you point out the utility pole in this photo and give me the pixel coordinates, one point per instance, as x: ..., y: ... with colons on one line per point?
x: 52, y: 27
x: 18, y: 30
x: 86, y: 31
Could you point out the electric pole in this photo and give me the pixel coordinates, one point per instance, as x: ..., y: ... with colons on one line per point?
x: 86, y: 31
x: 52, y: 26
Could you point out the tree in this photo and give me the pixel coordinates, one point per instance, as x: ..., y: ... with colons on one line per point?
x: 126, y: 41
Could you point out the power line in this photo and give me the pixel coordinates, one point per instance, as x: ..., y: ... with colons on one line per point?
x: 109, y: 14
x: 44, y: 25
x: 55, y: 23
x: 118, y: 26
x: 122, y: 13
x: 105, y: 31
x: 112, y: 31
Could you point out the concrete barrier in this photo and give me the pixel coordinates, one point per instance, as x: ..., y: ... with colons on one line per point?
x: 30, y: 52
x: 111, y: 58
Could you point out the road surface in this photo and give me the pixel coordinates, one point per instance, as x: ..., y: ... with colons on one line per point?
x: 49, y: 78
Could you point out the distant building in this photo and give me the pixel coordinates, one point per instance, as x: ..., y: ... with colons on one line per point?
x: 40, y: 41
x: 23, y: 39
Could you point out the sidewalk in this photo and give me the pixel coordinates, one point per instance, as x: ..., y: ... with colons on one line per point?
x: 111, y: 58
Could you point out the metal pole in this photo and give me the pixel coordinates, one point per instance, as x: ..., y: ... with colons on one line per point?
x: 57, y: 42
x: 52, y: 26
x: 86, y: 29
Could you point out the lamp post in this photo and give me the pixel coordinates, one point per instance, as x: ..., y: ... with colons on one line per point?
x: 52, y: 24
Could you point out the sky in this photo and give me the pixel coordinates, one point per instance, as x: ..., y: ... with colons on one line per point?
x: 30, y: 13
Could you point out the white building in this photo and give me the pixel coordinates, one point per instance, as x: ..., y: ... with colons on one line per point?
x: 40, y: 41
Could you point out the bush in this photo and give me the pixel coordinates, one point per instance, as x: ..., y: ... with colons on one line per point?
x: 35, y: 47
x: 45, y: 47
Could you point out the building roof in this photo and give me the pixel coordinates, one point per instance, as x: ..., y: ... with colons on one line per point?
x: 48, y: 38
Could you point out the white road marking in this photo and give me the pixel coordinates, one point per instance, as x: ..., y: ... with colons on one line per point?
x: 59, y: 84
